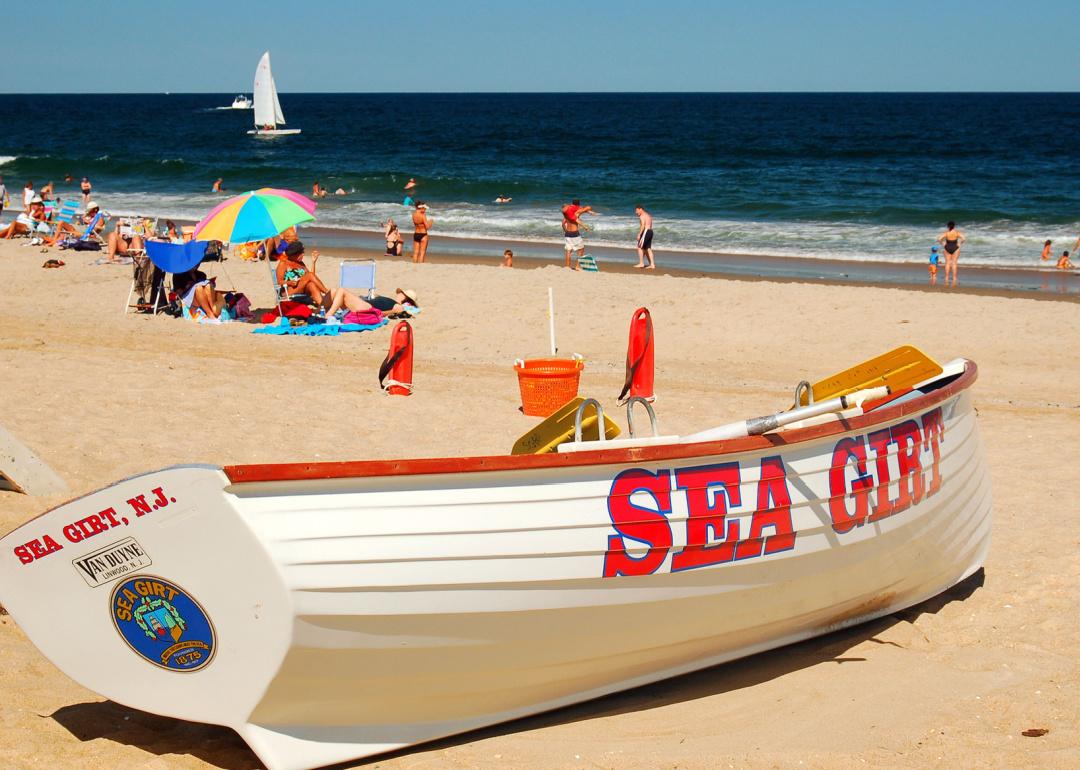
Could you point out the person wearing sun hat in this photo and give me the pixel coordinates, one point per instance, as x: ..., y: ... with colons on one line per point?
x: 31, y: 221
x: 75, y: 230
x: 403, y: 301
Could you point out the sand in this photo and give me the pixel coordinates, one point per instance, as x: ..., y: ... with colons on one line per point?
x: 951, y: 683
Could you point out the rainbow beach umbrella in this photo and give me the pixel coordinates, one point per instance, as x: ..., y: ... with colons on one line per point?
x: 254, y: 216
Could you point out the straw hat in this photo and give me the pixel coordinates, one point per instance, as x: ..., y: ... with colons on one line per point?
x: 92, y: 205
x: 410, y: 295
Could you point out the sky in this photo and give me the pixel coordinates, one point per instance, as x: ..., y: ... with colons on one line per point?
x: 136, y: 46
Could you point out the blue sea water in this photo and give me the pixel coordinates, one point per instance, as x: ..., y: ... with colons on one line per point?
x: 848, y: 176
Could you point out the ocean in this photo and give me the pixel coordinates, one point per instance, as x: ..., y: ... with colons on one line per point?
x: 841, y: 176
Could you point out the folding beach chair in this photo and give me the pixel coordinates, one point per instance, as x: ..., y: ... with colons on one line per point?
x: 587, y: 262
x: 358, y: 274
x: 89, y: 232
x: 67, y: 213
x: 170, y: 258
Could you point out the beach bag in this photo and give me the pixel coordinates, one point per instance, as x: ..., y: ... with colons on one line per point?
x: 86, y: 245
x: 370, y: 317
x: 238, y: 304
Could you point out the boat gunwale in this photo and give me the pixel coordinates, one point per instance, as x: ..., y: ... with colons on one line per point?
x: 313, y: 471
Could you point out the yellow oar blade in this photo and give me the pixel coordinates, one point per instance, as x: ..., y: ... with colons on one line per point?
x: 901, y: 368
x: 559, y: 428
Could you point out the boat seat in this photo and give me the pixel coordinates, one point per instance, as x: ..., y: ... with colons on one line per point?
x: 618, y: 443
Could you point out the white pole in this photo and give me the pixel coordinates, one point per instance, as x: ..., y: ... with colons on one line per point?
x: 759, y: 425
x: 551, y: 319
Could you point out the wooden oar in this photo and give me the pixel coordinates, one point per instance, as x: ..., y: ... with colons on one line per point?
x: 898, y: 369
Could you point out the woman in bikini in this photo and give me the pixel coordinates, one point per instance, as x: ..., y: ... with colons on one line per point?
x: 394, y: 241
x: 952, y: 239
x: 421, y: 225
x: 298, y: 278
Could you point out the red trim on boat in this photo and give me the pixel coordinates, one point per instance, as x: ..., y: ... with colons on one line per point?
x: 436, y: 465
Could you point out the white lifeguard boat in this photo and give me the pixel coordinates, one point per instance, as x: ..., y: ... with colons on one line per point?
x: 329, y: 611
x: 268, y: 114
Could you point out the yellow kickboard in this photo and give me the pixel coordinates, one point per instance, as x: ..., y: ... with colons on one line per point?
x: 899, y: 369
x: 559, y: 428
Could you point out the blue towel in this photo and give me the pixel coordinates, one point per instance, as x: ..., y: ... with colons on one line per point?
x: 317, y: 330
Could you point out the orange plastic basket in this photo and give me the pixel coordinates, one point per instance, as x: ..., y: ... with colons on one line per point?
x: 547, y: 383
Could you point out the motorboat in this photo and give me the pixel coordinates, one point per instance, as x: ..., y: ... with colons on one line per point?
x: 328, y: 611
x: 241, y: 102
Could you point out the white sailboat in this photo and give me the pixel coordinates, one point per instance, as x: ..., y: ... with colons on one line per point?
x: 268, y: 115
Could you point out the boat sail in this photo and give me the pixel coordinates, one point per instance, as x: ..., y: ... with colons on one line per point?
x: 268, y: 115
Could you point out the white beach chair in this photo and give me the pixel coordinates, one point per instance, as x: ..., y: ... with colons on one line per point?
x: 358, y: 274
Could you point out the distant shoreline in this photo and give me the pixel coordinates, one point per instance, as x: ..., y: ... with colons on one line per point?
x: 1050, y: 284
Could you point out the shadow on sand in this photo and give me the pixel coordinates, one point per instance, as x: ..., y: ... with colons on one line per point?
x: 223, y: 748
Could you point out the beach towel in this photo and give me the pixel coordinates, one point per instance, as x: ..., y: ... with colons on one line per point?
x: 316, y: 330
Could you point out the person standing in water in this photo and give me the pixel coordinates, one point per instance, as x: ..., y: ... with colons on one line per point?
x: 421, y: 232
x: 1046, y: 249
x: 85, y: 187
x: 644, y: 238
x: 217, y: 186
x: 952, y: 239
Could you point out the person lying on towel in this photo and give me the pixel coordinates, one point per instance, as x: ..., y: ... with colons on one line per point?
x: 404, y: 301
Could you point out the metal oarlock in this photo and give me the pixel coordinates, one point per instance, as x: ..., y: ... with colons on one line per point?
x: 630, y: 414
x: 804, y: 385
x: 601, y: 432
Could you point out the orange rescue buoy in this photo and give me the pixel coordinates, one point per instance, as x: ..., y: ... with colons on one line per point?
x: 395, y: 374
x: 639, y: 358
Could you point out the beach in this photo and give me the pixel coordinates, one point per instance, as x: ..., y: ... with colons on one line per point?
x: 101, y: 395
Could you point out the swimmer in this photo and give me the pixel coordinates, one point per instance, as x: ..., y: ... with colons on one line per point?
x: 340, y: 191
x: 317, y: 190
x: 503, y: 199
x: 1064, y: 263
x: 952, y: 239
x: 1046, y: 249
x: 217, y: 186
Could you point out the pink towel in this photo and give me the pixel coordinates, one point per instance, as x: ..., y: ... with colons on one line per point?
x: 363, y: 317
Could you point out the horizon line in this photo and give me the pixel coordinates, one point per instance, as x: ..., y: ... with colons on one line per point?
x: 542, y: 93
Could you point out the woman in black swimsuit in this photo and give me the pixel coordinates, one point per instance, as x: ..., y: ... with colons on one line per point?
x: 952, y: 239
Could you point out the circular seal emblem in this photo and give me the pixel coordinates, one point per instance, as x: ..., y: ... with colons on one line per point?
x: 163, y: 623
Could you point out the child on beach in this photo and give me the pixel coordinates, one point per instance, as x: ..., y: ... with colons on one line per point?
x: 1064, y: 263
x: 1046, y: 249
x: 508, y: 259
x: 933, y: 266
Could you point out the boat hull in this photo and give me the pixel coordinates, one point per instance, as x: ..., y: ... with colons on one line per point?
x: 359, y: 608
x: 274, y: 132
